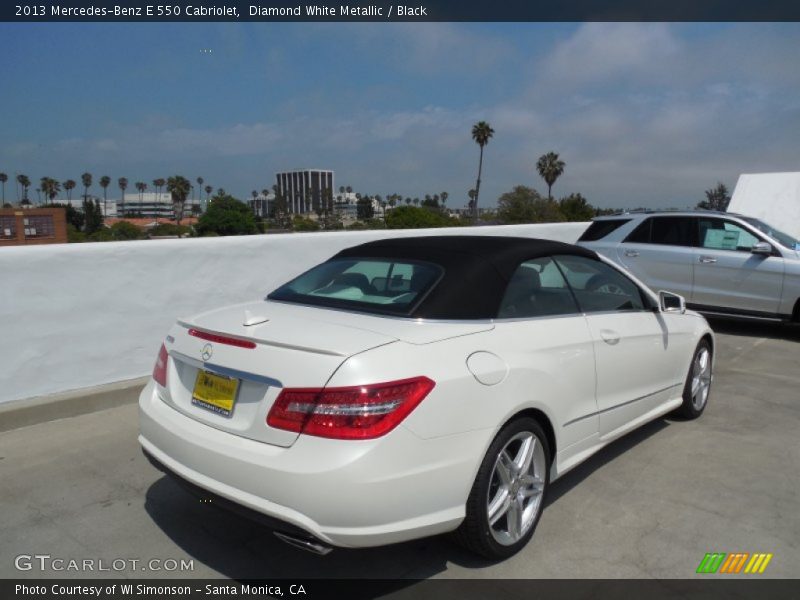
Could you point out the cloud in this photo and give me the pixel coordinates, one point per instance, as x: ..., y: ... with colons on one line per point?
x: 643, y: 114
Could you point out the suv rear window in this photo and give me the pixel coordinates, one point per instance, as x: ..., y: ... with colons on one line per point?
x: 372, y: 285
x: 600, y: 229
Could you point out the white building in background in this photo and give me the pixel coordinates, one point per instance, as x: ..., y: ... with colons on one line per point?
x: 771, y: 197
x: 109, y: 208
x: 154, y: 205
x: 146, y: 205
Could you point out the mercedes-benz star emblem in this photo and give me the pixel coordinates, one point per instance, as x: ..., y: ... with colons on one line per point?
x: 207, y: 351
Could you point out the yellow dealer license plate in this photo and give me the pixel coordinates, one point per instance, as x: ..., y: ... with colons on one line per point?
x: 215, y: 393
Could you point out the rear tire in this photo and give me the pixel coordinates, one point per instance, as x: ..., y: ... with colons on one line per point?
x: 507, y: 498
x: 698, y: 382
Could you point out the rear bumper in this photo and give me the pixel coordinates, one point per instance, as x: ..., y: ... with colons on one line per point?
x: 343, y: 493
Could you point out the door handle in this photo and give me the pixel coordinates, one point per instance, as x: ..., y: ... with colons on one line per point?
x: 609, y: 337
x: 707, y: 259
x: 631, y: 253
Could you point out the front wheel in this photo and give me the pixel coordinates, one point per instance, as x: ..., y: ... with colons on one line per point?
x: 507, y: 497
x: 698, y: 382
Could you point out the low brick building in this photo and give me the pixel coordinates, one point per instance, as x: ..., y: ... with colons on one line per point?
x: 24, y: 226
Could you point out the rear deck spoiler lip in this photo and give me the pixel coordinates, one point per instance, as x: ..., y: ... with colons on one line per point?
x: 189, y: 325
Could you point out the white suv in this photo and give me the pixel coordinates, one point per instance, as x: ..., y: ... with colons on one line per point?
x: 721, y: 263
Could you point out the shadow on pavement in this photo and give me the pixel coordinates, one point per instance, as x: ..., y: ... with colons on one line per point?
x: 236, y: 547
x: 574, y: 477
x: 239, y: 548
x: 756, y: 329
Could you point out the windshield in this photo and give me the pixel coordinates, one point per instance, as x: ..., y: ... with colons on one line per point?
x: 373, y: 285
x: 784, y: 239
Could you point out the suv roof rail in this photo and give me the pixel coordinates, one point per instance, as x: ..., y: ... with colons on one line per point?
x: 652, y: 211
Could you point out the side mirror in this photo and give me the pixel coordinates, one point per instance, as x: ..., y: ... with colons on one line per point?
x: 764, y: 248
x: 671, y: 303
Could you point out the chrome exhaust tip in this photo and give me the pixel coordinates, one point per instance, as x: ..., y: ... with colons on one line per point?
x: 303, y: 544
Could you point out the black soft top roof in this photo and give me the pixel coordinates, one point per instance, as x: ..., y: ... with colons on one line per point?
x: 477, y: 268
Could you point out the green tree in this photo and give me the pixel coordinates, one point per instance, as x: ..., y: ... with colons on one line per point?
x: 481, y: 133
x: 124, y: 230
x: 525, y: 205
x: 24, y: 182
x: 226, y: 215
x: 550, y: 168
x: 122, y: 182
x: 86, y: 182
x: 178, y: 187
x: 304, y: 224
x: 93, y: 216
x: 412, y: 217
x: 105, y: 181
x: 717, y: 198
x: 74, y: 217
x: 69, y: 185
x: 364, y: 209
x: 3, y: 179
x: 575, y: 208
x: 50, y: 188
x: 141, y: 186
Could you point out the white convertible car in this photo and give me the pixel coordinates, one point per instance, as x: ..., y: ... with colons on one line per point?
x: 415, y: 386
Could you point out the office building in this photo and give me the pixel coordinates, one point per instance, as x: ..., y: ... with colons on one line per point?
x: 306, y: 190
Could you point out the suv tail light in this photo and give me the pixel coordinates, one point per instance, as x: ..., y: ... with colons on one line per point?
x: 160, y: 368
x: 348, y: 413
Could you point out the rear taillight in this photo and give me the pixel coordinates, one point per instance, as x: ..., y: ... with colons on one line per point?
x: 349, y: 413
x: 160, y: 369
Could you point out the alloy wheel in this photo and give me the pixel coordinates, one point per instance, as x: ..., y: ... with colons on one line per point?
x: 516, y: 488
x: 701, y: 378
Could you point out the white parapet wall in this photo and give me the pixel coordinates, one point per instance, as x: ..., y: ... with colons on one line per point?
x: 80, y: 315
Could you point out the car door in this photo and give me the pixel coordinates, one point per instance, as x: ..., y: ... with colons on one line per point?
x: 637, y: 362
x: 544, y: 338
x: 728, y: 275
x: 660, y: 252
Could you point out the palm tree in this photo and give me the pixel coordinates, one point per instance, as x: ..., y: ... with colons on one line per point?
x: 105, y: 181
x: 3, y: 179
x: 25, y: 183
x: 444, y: 196
x: 208, y: 189
x: 481, y: 133
x: 69, y: 185
x: 50, y: 188
x: 86, y: 181
x: 550, y: 168
x: 408, y: 201
x: 122, y: 182
x: 200, y: 181
x: 178, y: 187
x: 472, y: 197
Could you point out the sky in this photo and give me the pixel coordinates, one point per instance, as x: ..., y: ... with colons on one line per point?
x: 642, y: 114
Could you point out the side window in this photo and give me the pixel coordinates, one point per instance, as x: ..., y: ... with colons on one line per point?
x: 667, y: 231
x: 600, y: 229
x: 673, y: 231
x: 537, y: 289
x: 719, y: 234
x: 640, y: 235
x: 599, y: 287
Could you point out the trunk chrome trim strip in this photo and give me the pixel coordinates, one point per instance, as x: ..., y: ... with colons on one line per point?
x: 225, y: 371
